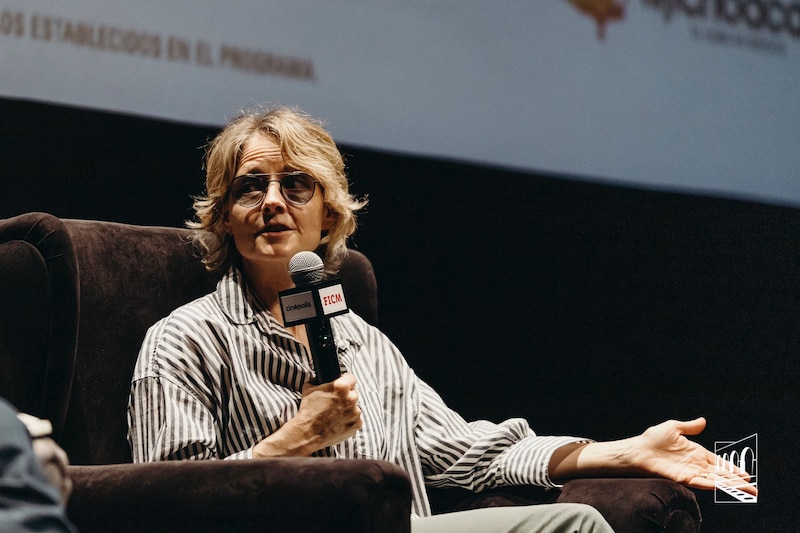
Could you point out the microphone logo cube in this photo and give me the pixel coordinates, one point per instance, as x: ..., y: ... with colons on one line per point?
x: 298, y: 307
x: 303, y: 304
x: 332, y: 299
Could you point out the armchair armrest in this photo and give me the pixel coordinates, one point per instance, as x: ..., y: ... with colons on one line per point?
x: 637, y: 504
x: 284, y: 494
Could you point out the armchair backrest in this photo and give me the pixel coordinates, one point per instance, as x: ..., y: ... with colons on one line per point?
x: 130, y: 277
x: 123, y: 279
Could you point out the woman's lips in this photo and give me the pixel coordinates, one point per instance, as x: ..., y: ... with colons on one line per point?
x: 273, y: 228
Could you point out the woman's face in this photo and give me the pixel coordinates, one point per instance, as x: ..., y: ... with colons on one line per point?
x: 270, y: 233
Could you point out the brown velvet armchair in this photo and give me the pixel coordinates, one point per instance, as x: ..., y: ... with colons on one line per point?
x: 76, y: 298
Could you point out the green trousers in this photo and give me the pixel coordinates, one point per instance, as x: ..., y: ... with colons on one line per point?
x: 549, y: 518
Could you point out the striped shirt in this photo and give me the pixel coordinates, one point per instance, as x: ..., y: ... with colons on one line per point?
x: 219, y: 374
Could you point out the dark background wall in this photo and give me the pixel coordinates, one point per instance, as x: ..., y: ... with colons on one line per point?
x: 587, y: 308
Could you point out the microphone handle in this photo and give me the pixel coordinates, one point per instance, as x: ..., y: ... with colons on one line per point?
x: 323, y: 350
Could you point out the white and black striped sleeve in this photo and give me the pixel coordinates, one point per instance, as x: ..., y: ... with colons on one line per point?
x: 480, y: 455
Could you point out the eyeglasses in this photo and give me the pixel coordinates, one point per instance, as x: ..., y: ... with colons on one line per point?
x: 249, y: 190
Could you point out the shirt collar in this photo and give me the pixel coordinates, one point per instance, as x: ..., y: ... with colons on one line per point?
x: 242, y: 307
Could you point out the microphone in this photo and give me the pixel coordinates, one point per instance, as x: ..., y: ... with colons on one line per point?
x: 312, y: 302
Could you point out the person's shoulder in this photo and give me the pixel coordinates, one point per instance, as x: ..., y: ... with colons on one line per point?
x: 192, y: 320
x: 353, y: 329
x: 353, y: 325
x: 178, y: 336
x: 351, y: 317
x: 369, y: 348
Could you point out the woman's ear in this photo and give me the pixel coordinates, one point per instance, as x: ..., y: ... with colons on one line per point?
x: 329, y: 219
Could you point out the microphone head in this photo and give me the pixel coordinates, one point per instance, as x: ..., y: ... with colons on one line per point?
x: 305, y: 268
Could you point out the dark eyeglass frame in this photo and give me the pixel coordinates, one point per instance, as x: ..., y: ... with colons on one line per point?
x: 265, y: 179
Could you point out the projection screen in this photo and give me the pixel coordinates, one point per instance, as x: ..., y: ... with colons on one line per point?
x: 687, y: 95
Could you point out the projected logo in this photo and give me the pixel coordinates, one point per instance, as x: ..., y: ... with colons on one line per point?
x: 602, y: 11
x: 744, y: 454
x: 765, y: 26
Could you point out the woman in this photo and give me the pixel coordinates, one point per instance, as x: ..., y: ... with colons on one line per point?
x: 222, y: 377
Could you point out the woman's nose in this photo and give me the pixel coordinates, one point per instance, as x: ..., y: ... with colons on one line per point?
x: 273, y: 199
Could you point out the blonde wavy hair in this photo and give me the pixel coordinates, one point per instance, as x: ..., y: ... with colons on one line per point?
x: 305, y: 145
